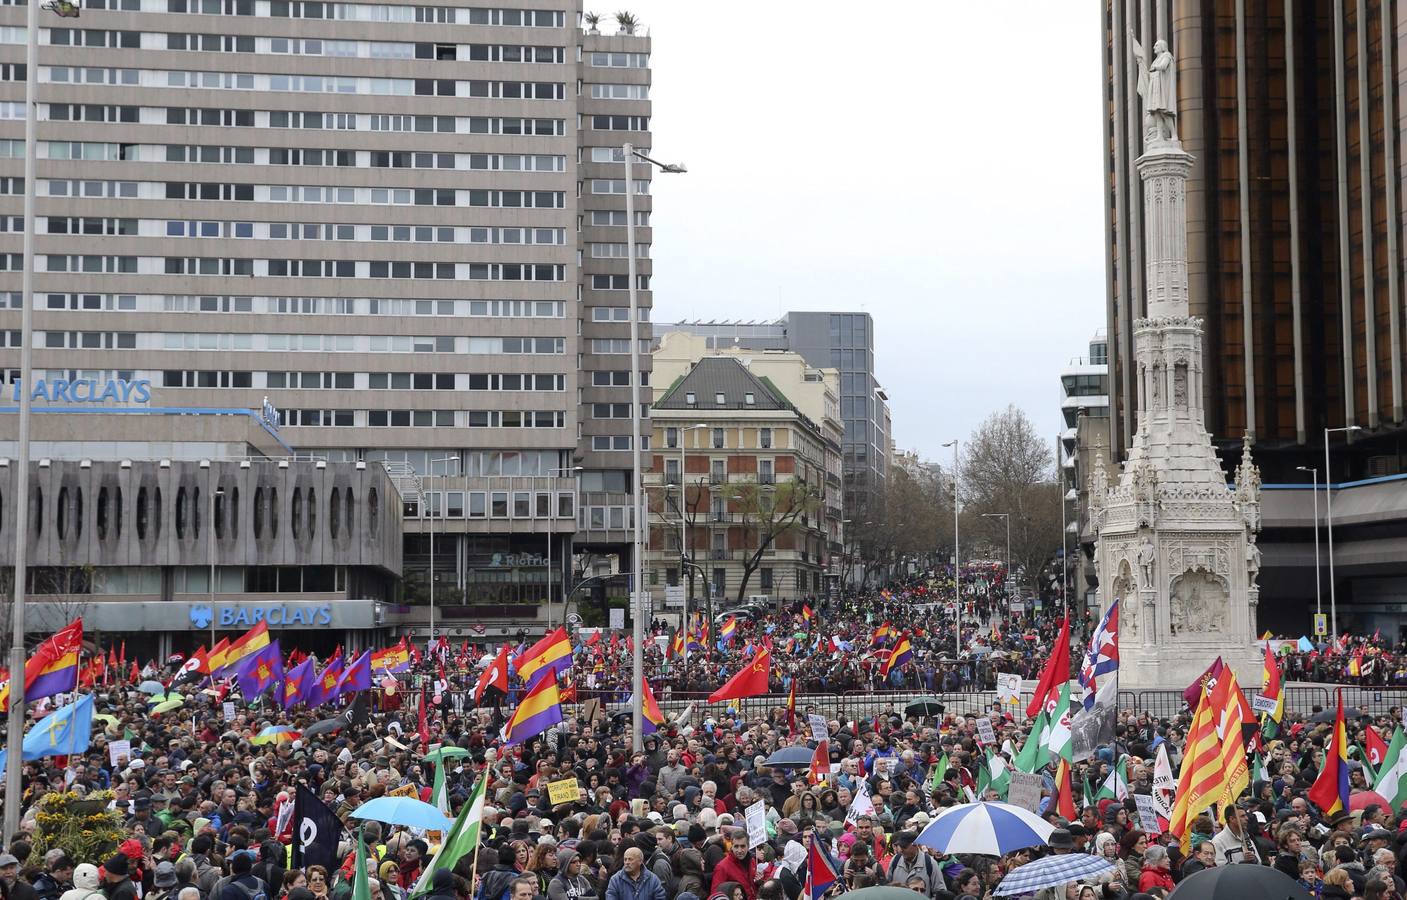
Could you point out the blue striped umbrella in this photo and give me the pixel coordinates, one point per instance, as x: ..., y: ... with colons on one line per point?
x: 989, y: 828
x: 1052, y: 871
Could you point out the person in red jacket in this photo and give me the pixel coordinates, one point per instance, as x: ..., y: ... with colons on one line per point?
x: 738, y: 866
x: 1155, y: 869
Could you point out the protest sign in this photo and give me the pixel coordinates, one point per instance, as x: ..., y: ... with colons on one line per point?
x: 756, y: 818
x: 1025, y: 791
x: 565, y: 791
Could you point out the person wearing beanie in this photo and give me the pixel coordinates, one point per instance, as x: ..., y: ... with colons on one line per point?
x: 569, y: 883
x: 442, y: 885
x: 116, y: 884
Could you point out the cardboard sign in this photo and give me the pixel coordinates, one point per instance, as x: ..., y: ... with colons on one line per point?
x: 1263, y: 704
x: 565, y: 791
x: 985, y: 733
x: 756, y: 818
x: 1147, y: 813
x: 1009, y: 689
x: 228, y: 707
x: 405, y: 790
x: 819, y: 731
x: 591, y: 709
x: 118, y: 750
x: 1025, y: 791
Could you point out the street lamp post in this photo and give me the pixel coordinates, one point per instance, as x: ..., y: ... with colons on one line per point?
x: 1006, y: 585
x: 552, y: 521
x: 957, y: 569
x: 684, y: 528
x: 1329, y: 518
x: 434, y: 514
x: 1318, y: 598
x: 637, y: 661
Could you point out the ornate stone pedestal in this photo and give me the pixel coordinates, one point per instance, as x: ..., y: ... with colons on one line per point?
x: 1176, y: 546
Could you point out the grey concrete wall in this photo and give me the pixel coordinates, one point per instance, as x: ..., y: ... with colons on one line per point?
x: 149, y: 513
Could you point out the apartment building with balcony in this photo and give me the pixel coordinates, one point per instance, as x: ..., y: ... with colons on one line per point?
x: 752, y: 440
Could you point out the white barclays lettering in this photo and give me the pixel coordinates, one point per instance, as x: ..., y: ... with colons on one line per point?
x: 87, y: 390
x: 276, y: 615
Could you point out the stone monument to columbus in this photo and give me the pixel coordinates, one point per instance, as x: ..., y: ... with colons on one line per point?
x: 1176, y: 547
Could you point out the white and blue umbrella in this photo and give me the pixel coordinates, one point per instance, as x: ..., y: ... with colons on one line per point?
x: 403, y: 811
x: 1052, y: 871
x: 988, y: 828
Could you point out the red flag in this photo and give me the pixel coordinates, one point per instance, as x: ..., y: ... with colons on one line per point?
x: 415, y: 653
x: 495, y: 676
x: 1376, y: 747
x: 134, y: 675
x: 122, y: 656
x: 1055, y: 673
x: 750, y: 680
x: 820, y: 768
x: 1193, y: 692
x: 1064, y: 792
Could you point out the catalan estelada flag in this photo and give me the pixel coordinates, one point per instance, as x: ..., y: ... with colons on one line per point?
x: 1330, y: 790
x: 539, y: 710
x: 252, y: 641
x: 552, y: 652
x: 651, y: 717
x: 53, y: 668
x: 900, y: 656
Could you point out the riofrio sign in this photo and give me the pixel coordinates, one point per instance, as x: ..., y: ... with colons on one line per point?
x: 278, y: 615
x: 87, y: 390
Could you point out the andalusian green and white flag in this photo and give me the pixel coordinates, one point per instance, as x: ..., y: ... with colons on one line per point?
x: 361, y: 882
x: 462, y: 839
x: 940, y: 768
x: 1259, y: 771
x: 999, y: 774
x: 1058, y: 739
x: 1116, y: 786
x: 1392, y: 779
x: 1032, y: 757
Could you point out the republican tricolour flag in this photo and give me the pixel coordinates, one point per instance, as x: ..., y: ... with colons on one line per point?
x: 1330, y: 790
x: 552, y: 652
x: 252, y: 641
x: 539, y: 710
x: 650, y: 716
x: 900, y: 656
x: 52, y: 668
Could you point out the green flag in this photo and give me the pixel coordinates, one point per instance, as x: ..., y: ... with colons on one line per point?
x: 984, y: 781
x: 1258, y: 770
x: 1059, y: 739
x: 1032, y: 757
x: 940, y: 768
x: 1116, y: 786
x: 1001, y: 776
x: 1369, y: 774
x: 1089, y: 791
x: 1392, y: 778
x: 361, y: 882
x: 439, y: 797
x: 463, y: 837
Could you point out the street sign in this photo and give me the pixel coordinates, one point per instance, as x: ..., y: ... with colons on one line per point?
x: 617, y: 619
x: 674, y: 595
x: 573, y: 619
x: 1321, y: 625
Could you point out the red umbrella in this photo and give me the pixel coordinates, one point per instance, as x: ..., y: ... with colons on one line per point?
x: 1364, y: 799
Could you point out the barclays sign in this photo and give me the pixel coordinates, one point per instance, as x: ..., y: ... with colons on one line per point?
x: 284, y: 615
x: 87, y: 390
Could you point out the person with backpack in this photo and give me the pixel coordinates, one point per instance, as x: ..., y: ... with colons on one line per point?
x: 241, y: 883
x: 497, y: 883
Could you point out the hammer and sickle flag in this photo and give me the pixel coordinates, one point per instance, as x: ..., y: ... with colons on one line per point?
x: 750, y: 681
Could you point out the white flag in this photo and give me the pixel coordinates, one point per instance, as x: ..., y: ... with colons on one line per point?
x: 861, y: 805
x: 1164, y: 785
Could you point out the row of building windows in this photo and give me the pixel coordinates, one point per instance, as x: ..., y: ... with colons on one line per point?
x: 421, y: 418
x: 288, y: 268
x: 319, y: 231
x: 214, y: 303
x: 339, y: 343
x: 261, y: 118
x: 544, y: 382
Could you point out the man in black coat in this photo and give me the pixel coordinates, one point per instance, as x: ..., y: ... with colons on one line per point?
x: 116, y: 884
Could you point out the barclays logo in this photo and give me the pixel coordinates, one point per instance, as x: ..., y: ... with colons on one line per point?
x: 201, y: 617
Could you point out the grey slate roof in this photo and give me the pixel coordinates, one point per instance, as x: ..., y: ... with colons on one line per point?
x: 713, y: 375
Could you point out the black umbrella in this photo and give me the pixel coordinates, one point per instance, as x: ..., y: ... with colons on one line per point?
x: 1328, y: 715
x: 924, y: 706
x: 790, y: 757
x: 1240, y: 882
x: 326, y: 726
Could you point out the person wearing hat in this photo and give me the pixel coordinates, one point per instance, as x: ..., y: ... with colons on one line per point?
x: 15, y: 888
x: 163, y: 881
x: 911, y: 861
x: 116, y: 884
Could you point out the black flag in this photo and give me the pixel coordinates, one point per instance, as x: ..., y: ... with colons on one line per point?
x: 316, y: 832
x: 356, y: 713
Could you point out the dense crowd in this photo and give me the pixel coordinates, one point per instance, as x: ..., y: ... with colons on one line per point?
x: 197, y: 809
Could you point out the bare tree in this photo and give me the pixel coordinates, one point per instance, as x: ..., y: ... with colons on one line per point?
x: 767, y: 512
x: 1009, y: 468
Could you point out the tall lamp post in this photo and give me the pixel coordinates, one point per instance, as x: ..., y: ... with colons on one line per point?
x: 551, y: 521
x: 14, y: 720
x: 1006, y: 585
x: 684, y: 527
x: 434, y: 514
x: 957, y: 568
x: 1329, y: 518
x: 637, y: 661
x: 1318, y: 597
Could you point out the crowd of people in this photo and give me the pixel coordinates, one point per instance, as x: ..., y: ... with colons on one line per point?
x: 199, y: 802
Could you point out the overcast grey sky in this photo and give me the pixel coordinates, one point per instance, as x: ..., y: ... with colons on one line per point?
x: 936, y: 164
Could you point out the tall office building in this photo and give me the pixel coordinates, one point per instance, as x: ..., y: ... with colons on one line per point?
x: 401, y: 224
x: 844, y: 341
x: 1291, y: 111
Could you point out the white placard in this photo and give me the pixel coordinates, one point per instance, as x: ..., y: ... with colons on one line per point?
x: 985, y: 733
x: 617, y: 619
x: 1147, y: 813
x: 117, y: 750
x: 756, y: 818
x: 1263, y: 704
x: 228, y: 707
x: 1025, y: 791
x: 819, y: 731
x: 1009, y: 689
x: 883, y: 765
